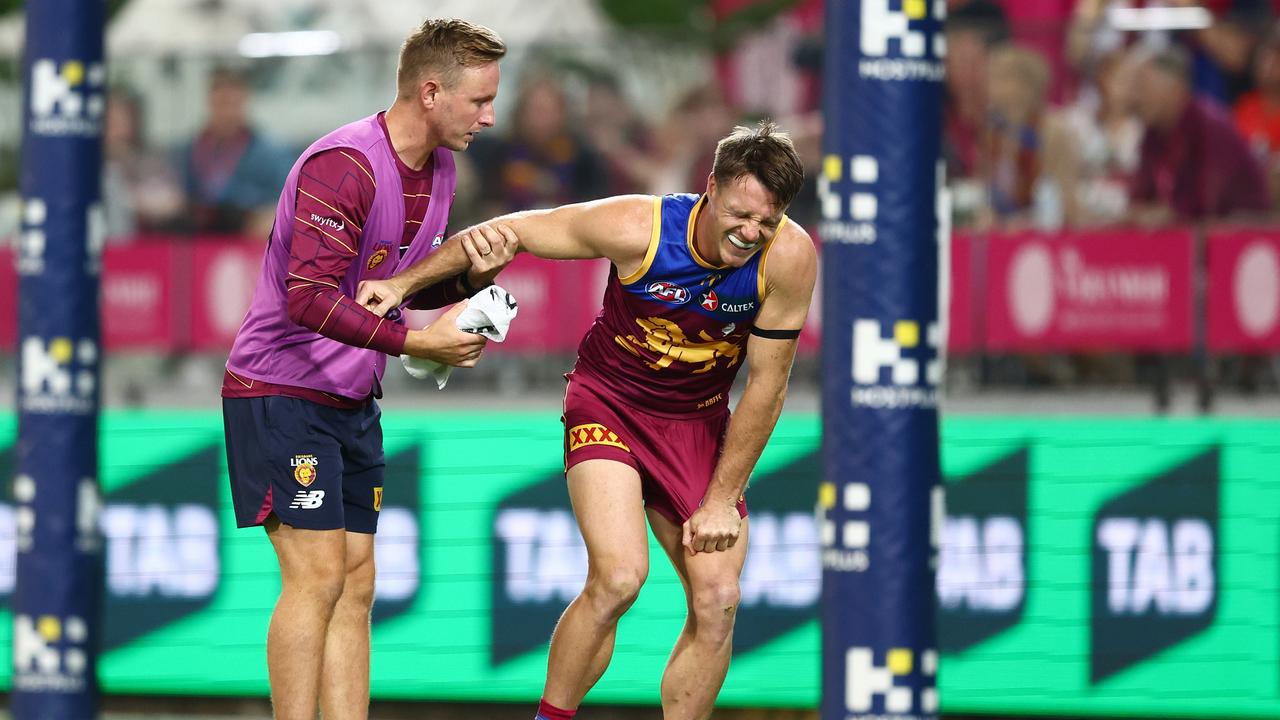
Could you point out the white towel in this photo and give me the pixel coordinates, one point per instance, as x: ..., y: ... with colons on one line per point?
x: 489, y: 313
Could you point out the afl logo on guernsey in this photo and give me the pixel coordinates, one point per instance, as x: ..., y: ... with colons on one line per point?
x: 669, y: 292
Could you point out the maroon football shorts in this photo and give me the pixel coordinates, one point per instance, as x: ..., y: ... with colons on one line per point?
x: 674, y: 456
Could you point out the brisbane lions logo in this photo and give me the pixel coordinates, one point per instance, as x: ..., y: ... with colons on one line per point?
x: 668, y: 341
x: 668, y: 292
x: 304, y: 469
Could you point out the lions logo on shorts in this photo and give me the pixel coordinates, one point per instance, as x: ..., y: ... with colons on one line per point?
x: 304, y: 469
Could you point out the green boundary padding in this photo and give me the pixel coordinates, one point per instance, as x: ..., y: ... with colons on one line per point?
x: 439, y: 647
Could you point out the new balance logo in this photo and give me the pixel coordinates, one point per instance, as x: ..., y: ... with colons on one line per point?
x: 865, y: 681
x: 307, y: 500
x: 67, y: 99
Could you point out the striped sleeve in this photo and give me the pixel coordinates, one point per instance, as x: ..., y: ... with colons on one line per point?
x: 335, y: 192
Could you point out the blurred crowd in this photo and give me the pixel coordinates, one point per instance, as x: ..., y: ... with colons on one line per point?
x: 566, y: 139
x: 224, y: 181
x: 1056, y: 117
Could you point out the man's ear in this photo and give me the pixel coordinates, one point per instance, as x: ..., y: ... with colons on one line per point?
x: 428, y: 92
x: 711, y: 184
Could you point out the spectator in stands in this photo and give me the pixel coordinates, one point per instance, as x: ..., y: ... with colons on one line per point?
x: 1091, y: 146
x: 806, y: 131
x: 1017, y: 86
x: 543, y: 162
x: 140, y: 190
x: 620, y: 137
x: 1222, y: 54
x: 1258, y: 113
x: 686, y: 139
x: 971, y: 30
x: 232, y: 174
x: 1090, y: 37
x: 1193, y: 163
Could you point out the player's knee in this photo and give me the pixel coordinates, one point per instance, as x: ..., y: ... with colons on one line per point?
x: 614, y: 590
x: 716, y: 602
x: 358, y: 588
x: 322, y: 585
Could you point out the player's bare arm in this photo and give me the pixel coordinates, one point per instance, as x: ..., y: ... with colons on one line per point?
x: 450, y: 260
x: 442, y: 341
x: 791, y: 270
x: 617, y: 228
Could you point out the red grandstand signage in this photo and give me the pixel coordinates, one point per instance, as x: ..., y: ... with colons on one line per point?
x: 1101, y: 290
x: 225, y: 273
x: 138, y: 307
x: 963, y: 301
x: 1244, y: 291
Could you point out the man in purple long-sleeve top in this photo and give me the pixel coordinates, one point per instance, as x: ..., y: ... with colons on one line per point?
x: 304, y: 439
x: 1193, y: 163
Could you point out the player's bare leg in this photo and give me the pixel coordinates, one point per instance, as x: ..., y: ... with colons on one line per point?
x: 344, y: 695
x: 610, y: 510
x: 700, y: 658
x: 311, y: 582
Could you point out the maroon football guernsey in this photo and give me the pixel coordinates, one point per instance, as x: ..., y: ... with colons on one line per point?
x: 672, y: 336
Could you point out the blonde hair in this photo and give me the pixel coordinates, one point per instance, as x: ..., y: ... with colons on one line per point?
x: 445, y: 46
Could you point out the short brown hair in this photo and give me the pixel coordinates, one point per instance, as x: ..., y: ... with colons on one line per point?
x: 764, y: 153
x: 445, y: 46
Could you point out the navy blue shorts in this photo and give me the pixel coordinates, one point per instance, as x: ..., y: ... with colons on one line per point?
x: 312, y: 466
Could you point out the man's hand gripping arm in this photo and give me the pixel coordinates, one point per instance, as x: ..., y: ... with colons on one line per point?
x: 617, y: 228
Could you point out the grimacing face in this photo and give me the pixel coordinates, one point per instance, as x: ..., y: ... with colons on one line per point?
x: 743, y: 215
x: 465, y: 107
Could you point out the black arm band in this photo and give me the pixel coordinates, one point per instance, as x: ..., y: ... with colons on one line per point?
x: 466, y: 284
x: 776, y: 334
